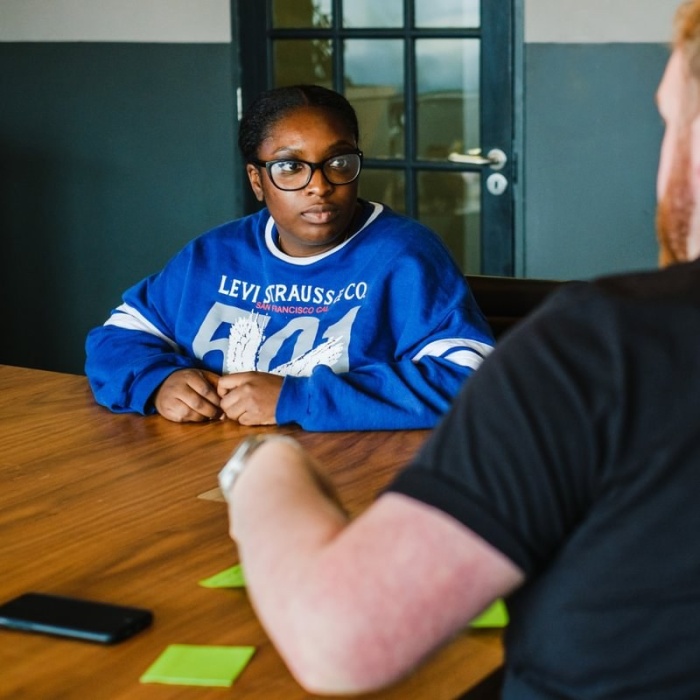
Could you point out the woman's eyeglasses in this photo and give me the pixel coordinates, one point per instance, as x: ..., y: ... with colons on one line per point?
x: 291, y: 174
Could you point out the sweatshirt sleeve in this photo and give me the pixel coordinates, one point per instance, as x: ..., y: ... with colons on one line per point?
x: 411, y: 392
x: 134, y: 351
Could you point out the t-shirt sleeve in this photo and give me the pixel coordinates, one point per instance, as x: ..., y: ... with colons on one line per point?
x: 514, y: 458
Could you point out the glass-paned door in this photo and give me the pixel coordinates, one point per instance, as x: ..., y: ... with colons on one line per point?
x: 432, y: 84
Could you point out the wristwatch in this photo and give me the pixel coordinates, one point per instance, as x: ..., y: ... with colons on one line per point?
x: 238, y: 460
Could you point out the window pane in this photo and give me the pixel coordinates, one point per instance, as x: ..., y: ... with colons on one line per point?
x: 448, y: 96
x: 385, y: 186
x: 450, y: 204
x: 300, y: 14
x: 374, y: 86
x: 448, y: 13
x: 302, y: 61
x: 370, y: 13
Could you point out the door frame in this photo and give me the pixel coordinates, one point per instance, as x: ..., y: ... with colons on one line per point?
x: 503, y: 249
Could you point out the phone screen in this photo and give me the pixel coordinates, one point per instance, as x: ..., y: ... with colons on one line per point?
x: 87, y: 620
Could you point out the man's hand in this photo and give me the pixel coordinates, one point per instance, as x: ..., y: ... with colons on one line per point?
x: 250, y: 397
x: 189, y: 396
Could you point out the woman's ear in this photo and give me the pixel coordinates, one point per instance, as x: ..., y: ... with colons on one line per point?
x: 253, y: 173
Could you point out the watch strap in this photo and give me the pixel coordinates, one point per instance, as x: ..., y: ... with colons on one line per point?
x: 239, y: 458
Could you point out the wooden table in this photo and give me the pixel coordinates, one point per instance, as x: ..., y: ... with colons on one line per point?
x: 108, y: 507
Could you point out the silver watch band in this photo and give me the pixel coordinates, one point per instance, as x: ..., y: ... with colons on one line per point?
x: 239, y: 458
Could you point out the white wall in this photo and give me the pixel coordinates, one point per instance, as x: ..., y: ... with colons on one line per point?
x: 599, y: 21
x: 567, y: 21
x: 171, y: 21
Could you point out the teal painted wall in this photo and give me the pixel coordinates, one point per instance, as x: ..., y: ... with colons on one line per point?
x: 112, y: 156
x: 592, y: 134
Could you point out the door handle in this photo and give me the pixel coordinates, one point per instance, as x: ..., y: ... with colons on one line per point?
x: 495, y: 158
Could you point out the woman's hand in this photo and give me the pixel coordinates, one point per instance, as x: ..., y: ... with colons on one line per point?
x: 189, y: 396
x: 250, y: 397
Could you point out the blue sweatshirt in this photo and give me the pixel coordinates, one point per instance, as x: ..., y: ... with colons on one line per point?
x: 377, y: 333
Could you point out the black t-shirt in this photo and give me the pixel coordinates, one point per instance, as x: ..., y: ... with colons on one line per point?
x: 575, y: 450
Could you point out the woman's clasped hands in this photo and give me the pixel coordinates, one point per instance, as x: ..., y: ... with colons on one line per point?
x: 194, y: 395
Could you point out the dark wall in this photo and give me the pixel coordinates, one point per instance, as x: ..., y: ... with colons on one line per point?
x: 112, y: 156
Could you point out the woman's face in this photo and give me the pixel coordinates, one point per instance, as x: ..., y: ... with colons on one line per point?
x: 318, y: 217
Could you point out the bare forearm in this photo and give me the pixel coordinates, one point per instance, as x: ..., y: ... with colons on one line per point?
x: 280, y: 504
x: 282, y: 519
x: 353, y: 607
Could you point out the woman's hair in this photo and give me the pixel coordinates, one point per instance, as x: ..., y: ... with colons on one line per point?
x: 272, y: 105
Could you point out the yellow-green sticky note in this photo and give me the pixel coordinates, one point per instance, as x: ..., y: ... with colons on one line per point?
x: 191, y: 664
x: 229, y: 578
x: 496, y: 615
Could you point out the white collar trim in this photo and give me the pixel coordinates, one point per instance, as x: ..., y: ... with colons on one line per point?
x: 377, y: 209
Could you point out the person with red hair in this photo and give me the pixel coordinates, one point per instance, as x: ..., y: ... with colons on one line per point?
x: 564, y: 479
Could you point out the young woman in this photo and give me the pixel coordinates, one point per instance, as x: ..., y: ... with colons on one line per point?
x: 321, y: 309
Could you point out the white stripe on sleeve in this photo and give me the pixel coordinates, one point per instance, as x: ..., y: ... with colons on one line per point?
x: 462, y: 351
x: 128, y: 317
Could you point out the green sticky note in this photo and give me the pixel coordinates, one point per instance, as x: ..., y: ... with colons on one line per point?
x: 191, y: 664
x: 496, y: 615
x: 229, y: 578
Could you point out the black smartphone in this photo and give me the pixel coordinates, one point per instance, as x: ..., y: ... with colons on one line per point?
x: 87, y: 620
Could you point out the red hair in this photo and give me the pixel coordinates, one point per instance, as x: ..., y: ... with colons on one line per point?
x: 687, y: 34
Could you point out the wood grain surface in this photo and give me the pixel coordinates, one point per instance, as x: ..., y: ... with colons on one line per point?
x: 106, y: 507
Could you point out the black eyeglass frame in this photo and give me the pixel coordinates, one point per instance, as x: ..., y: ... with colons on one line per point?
x: 268, y: 164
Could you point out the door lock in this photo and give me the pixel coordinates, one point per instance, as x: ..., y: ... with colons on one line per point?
x: 496, y: 183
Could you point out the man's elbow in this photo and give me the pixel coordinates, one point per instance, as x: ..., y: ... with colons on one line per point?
x: 341, y: 663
